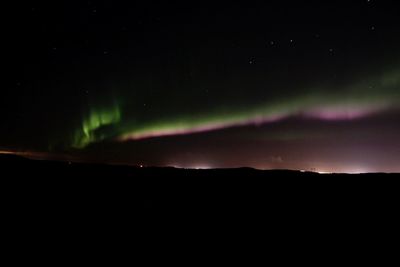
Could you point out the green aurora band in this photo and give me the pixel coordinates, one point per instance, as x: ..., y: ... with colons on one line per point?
x: 352, y: 101
x: 94, y: 122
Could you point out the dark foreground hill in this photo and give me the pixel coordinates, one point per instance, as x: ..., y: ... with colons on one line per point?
x: 65, y: 182
x: 63, y: 203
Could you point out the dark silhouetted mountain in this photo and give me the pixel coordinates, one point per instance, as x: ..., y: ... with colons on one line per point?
x: 60, y: 184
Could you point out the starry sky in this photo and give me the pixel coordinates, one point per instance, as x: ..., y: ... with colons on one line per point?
x: 306, y: 85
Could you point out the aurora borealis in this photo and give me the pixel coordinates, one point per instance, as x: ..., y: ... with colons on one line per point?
x: 275, y: 85
x: 323, y: 105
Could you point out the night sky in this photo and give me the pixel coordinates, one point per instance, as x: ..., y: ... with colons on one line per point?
x: 307, y: 85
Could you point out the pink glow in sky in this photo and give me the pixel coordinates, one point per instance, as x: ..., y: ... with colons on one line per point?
x: 325, y: 113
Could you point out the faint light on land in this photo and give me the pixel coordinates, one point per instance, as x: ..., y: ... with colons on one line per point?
x: 324, y: 172
x: 358, y: 170
x: 201, y: 167
x: 7, y: 152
